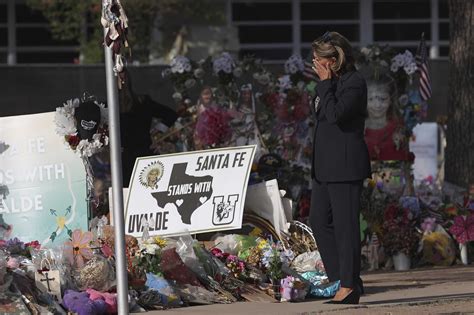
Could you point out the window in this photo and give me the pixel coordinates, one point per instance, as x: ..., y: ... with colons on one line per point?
x: 38, y: 36
x: 3, y: 13
x: 311, y: 32
x: 311, y: 11
x: 34, y: 41
x: 443, y: 9
x: 401, y: 32
x: 265, y: 28
x: 270, y: 11
x: 443, y: 16
x: 264, y: 34
x: 3, y: 37
x: 46, y: 57
x: 317, y: 17
x: 408, y: 9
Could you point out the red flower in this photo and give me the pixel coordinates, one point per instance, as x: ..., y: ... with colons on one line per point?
x: 73, y: 140
x: 33, y: 244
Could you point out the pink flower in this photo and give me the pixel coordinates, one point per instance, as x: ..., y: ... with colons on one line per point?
x: 78, y: 248
x: 463, y: 228
x: 217, y: 252
x: 13, y: 263
x: 213, y: 126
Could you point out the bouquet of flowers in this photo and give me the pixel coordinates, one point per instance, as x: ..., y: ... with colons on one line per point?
x: 273, y: 258
x: 399, y: 233
x: 148, y: 258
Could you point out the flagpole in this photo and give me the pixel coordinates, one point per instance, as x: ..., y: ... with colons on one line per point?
x: 117, y: 185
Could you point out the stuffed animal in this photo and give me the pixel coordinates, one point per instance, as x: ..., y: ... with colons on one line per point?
x: 292, y: 289
x: 80, y: 303
x: 109, y: 298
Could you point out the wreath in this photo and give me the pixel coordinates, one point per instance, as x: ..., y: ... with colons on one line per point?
x: 83, y: 125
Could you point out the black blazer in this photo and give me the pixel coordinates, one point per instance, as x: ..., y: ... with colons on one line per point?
x: 339, y: 149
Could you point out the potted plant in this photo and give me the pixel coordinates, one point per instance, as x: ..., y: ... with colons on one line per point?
x: 400, y: 238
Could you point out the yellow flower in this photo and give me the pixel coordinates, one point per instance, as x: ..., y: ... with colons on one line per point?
x: 159, y: 241
x: 256, y: 232
x: 262, y: 243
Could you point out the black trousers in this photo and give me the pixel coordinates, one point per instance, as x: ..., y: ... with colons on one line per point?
x: 334, y: 218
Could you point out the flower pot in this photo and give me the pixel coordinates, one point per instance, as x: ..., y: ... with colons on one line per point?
x: 463, y: 251
x: 401, y: 261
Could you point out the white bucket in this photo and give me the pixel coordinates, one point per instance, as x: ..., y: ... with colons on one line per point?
x: 401, y: 262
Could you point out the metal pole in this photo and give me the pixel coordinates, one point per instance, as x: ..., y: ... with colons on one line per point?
x: 117, y: 191
x: 11, y: 23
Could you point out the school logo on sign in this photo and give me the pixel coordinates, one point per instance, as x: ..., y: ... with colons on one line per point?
x: 151, y: 174
x: 224, y: 210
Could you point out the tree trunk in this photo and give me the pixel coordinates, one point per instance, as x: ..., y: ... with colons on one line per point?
x: 459, y: 164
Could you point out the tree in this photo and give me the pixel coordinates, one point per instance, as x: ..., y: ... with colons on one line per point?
x: 80, y: 21
x: 460, y: 130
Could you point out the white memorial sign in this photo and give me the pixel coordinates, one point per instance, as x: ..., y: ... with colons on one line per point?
x: 191, y: 192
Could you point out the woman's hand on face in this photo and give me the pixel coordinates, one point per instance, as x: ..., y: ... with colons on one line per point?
x: 323, y: 72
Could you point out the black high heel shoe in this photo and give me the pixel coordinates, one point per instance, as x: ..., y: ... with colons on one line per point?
x: 360, y: 286
x: 351, y: 298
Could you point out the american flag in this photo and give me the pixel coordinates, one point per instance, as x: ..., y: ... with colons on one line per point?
x: 422, y: 64
x: 308, y: 67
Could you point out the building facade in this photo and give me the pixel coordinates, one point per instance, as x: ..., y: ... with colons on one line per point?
x: 269, y: 29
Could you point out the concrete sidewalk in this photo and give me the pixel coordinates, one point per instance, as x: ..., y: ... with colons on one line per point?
x: 419, y: 291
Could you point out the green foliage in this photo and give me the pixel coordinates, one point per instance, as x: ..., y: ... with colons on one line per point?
x: 149, y: 262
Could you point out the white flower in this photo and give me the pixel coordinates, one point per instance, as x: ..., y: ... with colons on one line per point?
x: 394, y: 67
x: 365, y: 51
x: 166, y: 72
x: 180, y: 64
x: 64, y: 118
x: 256, y: 75
x: 383, y: 63
x: 398, y: 60
x: 410, y: 68
x: 409, y: 56
x: 294, y: 64
x: 177, y: 96
x: 224, y: 62
x: 189, y: 83
x: 237, y: 72
x: 403, y: 99
x: 199, y: 73
x: 149, y: 248
x: 284, y: 83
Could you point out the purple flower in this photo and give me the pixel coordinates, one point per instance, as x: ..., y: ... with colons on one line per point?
x: 15, y: 246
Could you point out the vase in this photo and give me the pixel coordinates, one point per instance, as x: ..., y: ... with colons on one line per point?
x: 463, y: 251
x: 401, y: 261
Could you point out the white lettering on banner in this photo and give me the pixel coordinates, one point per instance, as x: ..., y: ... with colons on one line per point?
x: 45, y: 172
x: 202, y: 187
x: 36, y: 145
x: 6, y: 177
x: 22, y: 204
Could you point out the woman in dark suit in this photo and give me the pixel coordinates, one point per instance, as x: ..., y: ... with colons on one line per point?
x: 340, y: 162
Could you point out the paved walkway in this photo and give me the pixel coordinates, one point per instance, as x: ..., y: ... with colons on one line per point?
x: 420, y: 291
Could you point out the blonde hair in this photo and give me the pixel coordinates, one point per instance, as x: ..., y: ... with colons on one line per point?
x: 334, y: 45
